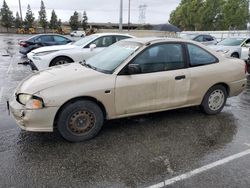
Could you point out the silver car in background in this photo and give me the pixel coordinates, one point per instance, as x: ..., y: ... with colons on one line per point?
x: 202, y: 38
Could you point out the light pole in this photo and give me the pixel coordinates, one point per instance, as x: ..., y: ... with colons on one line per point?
x: 128, y: 14
x: 121, y: 10
x: 20, y: 9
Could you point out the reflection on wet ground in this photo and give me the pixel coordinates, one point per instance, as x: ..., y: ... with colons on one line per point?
x: 130, y: 152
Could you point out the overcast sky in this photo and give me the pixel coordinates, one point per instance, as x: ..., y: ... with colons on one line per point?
x: 157, y: 11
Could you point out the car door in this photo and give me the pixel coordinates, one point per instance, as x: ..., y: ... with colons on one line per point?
x: 162, y: 84
x: 47, y: 40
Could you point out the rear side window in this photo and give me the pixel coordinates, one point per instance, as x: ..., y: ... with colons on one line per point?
x: 59, y: 39
x: 118, y: 38
x: 199, y: 38
x: 199, y: 56
x: 47, y: 38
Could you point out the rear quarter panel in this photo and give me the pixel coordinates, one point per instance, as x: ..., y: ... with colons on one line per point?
x: 227, y: 71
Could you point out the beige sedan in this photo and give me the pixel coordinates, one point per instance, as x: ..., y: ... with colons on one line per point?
x: 131, y: 77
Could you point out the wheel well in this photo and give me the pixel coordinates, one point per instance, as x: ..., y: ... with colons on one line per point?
x: 64, y: 56
x: 236, y: 53
x: 223, y: 84
x: 77, y: 99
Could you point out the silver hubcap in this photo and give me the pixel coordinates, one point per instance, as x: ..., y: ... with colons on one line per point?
x: 216, y: 100
x: 61, y: 62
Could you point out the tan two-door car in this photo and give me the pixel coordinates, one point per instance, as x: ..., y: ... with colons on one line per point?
x: 131, y: 77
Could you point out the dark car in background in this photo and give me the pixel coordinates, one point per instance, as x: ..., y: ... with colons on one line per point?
x: 202, y: 38
x: 41, y: 40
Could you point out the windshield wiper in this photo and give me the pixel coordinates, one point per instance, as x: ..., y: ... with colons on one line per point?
x: 87, y: 65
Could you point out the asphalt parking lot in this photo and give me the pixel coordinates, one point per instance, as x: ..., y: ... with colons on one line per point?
x: 179, y: 148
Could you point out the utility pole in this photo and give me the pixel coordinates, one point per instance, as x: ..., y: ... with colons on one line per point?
x: 121, y: 10
x: 128, y: 14
x: 20, y: 9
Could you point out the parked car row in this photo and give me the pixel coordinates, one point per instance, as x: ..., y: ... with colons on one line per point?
x: 131, y: 77
x: 84, y: 48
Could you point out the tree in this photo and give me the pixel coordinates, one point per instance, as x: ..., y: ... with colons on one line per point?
x: 212, y: 15
x: 29, y: 19
x: 43, y: 17
x: 18, y: 21
x: 53, y: 21
x: 73, y: 22
x: 236, y: 14
x: 6, y: 16
x: 187, y: 15
x: 84, y: 20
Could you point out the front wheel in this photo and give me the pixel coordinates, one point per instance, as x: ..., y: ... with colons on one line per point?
x: 214, y: 100
x: 80, y: 120
x: 60, y: 61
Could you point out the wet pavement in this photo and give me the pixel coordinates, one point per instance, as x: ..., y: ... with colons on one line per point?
x: 131, y: 152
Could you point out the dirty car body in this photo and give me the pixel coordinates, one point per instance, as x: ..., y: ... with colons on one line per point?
x: 131, y: 77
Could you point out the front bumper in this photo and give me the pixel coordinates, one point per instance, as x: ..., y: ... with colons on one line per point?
x: 32, y: 65
x: 38, y: 63
x: 40, y: 120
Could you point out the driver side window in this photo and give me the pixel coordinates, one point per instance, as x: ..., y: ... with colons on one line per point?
x: 161, y: 57
x: 103, y: 41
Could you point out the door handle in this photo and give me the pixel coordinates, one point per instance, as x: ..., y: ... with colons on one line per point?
x: 182, y: 77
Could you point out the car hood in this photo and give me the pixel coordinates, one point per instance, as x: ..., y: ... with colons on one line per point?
x: 222, y: 48
x: 52, y: 48
x: 54, y: 76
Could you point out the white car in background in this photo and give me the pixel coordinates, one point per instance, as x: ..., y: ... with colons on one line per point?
x: 233, y: 47
x: 77, y: 34
x: 86, y: 47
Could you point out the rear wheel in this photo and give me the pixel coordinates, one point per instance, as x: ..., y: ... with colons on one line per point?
x: 60, y: 61
x: 214, y: 100
x: 80, y: 121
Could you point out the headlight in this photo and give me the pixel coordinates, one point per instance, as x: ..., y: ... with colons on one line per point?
x: 30, y: 101
x: 44, y: 53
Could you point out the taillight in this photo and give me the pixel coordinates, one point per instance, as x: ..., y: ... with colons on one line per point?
x: 23, y: 44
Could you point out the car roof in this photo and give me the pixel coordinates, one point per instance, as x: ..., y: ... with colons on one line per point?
x: 48, y: 34
x: 146, y: 40
x: 119, y: 34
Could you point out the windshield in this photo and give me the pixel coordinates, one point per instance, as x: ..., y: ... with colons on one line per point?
x: 231, y: 42
x: 85, y: 40
x: 109, y: 59
x: 188, y: 36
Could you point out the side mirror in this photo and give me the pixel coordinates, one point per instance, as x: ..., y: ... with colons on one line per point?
x: 92, y: 47
x: 134, y: 69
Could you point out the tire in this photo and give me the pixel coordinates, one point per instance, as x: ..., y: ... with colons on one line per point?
x: 60, y: 61
x: 235, y: 55
x: 214, y: 100
x: 80, y: 120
